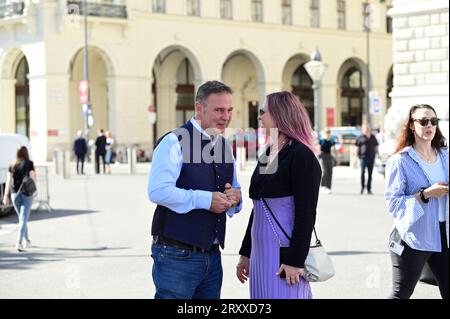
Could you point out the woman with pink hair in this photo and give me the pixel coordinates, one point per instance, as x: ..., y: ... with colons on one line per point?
x: 284, y: 189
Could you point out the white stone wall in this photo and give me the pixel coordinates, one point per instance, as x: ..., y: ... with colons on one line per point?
x: 420, y: 34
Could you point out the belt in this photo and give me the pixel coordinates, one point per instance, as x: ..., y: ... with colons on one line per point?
x: 161, y: 240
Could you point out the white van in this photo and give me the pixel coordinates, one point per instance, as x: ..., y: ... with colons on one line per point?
x: 9, y: 144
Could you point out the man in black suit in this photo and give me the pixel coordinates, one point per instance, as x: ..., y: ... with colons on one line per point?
x: 100, y: 151
x: 80, y: 150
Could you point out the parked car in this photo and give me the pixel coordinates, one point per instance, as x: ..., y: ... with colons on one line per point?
x: 9, y: 143
x: 345, y: 137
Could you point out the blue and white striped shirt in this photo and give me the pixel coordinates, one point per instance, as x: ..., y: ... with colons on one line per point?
x: 417, y: 223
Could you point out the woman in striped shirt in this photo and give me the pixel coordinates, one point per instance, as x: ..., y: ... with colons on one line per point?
x: 417, y: 197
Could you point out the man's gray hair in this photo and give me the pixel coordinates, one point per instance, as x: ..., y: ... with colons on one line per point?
x: 209, y: 88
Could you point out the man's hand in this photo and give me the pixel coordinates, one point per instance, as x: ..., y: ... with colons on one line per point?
x: 220, y: 203
x: 233, y: 194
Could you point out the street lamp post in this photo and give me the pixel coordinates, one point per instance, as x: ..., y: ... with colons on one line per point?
x: 367, y: 28
x: 87, y: 111
x: 316, y: 69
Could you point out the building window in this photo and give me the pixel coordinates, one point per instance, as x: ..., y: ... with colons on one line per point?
x: 315, y: 13
x: 341, y: 14
x: 22, y: 99
x: 257, y: 10
x: 159, y: 6
x: 366, y: 16
x: 226, y: 9
x: 193, y: 8
x: 388, y: 21
x: 286, y: 11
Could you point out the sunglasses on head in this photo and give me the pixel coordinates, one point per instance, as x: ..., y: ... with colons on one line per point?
x: 424, y: 122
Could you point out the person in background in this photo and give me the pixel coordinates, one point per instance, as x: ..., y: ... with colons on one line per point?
x: 366, y: 150
x: 417, y: 198
x: 327, y: 160
x: 100, y: 151
x: 22, y: 203
x: 80, y: 150
x: 110, y: 153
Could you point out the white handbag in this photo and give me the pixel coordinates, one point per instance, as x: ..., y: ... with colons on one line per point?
x: 318, y: 264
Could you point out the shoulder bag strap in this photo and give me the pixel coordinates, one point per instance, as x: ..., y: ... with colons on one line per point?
x: 279, y: 225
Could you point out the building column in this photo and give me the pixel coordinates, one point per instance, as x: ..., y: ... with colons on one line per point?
x: 7, y: 105
x: 165, y: 110
x: 49, y: 115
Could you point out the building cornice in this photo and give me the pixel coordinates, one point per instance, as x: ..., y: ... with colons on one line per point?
x: 408, y: 8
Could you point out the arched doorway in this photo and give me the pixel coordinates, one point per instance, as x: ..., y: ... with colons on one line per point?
x: 240, y: 72
x: 22, y: 89
x: 185, y: 92
x: 302, y: 87
x: 100, y: 68
x: 352, y: 97
x: 175, y: 72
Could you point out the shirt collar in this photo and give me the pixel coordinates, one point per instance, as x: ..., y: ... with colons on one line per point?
x: 201, y: 130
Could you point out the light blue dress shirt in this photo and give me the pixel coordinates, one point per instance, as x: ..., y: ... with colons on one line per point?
x: 165, y: 171
x: 417, y: 222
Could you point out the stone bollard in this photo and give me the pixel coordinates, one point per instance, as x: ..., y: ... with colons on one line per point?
x: 56, y: 161
x: 240, y: 157
x: 131, y: 154
x: 65, y: 164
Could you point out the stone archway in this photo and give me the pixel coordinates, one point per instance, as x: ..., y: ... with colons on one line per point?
x: 297, y: 80
x: 243, y: 72
x: 176, y: 73
x: 100, y: 70
x: 351, y: 80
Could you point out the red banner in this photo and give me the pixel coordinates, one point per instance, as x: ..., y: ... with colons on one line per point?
x: 330, y: 116
x: 83, y: 92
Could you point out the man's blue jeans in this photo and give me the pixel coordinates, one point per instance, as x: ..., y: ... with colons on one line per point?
x: 22, y: 205
x: 184, y: 274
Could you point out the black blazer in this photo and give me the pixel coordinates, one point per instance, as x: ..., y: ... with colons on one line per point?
x: 298, y: 175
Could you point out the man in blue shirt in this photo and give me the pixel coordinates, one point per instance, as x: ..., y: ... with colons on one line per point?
x: 193, y: 182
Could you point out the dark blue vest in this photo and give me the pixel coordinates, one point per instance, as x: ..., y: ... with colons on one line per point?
x: 205, y: 167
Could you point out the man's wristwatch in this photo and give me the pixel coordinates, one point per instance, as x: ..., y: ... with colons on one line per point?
x: 422, y: 196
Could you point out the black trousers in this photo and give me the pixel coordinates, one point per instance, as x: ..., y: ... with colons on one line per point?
x: 407, y: 268
x: 366, y: 163
x: 80, y: 160
x: 97, y: 162
x: 327, y: 169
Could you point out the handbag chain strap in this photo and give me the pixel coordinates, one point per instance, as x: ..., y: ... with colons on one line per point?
x: 271, y: 225
x: 279, y: 225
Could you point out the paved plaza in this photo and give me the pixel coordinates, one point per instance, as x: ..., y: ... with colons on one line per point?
x: 96, y: 241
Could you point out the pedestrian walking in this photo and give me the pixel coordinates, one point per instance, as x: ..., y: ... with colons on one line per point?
x: 21, y: 200
x: 286, y: 182
x: 100, y: 151
x: 417, y: 198
x: 110, y: 153
x: 366, y: 150
x: 327, y: 160
x: 80, y: 150
x: 193, y: 182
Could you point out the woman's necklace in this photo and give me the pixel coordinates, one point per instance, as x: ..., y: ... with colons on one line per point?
x: 428, y: 159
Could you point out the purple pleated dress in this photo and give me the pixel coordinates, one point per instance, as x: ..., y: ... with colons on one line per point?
x: 264, y: 261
